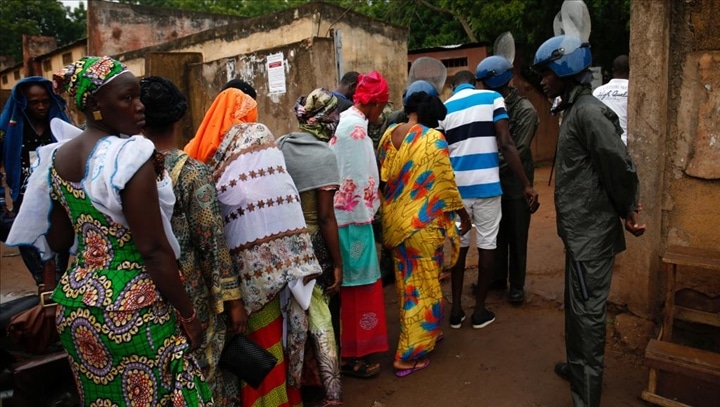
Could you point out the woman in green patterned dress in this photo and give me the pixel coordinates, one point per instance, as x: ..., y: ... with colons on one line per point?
x: 205, y: 265
x: 122, y: 302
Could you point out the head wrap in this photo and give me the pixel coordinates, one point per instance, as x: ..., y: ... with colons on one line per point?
x: 371, y: 88
x: 12, y: 124
x: 230, y: 107
x: 419, y: 86
x: 318, y: 113
x: 86, y: 76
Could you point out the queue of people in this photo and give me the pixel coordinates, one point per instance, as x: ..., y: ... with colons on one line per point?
x: 178, y: 250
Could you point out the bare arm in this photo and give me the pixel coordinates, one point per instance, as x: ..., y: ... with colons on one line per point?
x: 329, y: 230
x: 61, y: 235
x: 142, y: 211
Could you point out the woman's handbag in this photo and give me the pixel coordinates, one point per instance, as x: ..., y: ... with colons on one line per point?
x: 247, y: 360
x: 34, y: 329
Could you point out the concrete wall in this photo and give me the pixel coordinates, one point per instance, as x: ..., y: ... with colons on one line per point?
x: 306, y: 67
x: 34, y: 46
x: 363, y: 43
x: 176, y: 66
x: 115, y: 28
x: 44, y: 65
x: 673, y: 107
x: 320, y: 40
x: 691, y: 204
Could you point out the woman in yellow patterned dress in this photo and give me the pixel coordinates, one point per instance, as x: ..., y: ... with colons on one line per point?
x: 120, y: 303
x: 419, y: 196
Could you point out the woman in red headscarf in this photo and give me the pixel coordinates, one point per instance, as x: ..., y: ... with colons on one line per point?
x: 362, y: 312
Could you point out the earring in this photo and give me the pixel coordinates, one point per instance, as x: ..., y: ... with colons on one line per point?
x: 97, y: 115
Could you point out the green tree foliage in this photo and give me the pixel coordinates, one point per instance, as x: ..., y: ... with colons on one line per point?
x: 431, y: 23
x: 246, y: 8
x: 38, y: 17
x: 444, y: 22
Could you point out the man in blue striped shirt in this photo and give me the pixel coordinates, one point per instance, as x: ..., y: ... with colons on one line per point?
x: 476, y: 128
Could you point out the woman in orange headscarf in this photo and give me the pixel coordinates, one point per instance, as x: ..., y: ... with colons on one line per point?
x: 266, y: 233
x: 229, y: 108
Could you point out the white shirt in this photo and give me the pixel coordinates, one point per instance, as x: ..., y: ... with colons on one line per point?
x: 614, y: 95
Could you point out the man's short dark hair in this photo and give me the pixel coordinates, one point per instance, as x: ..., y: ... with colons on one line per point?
x: 463, y: 77
x: 621, y: 65
x: 350, y: 78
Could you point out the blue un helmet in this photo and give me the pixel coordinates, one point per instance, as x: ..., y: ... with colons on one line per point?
x: 419, y: 86
x: 564, y: 55
x: 494, y: 71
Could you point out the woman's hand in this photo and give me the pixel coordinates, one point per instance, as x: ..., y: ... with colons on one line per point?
x: 335, y: 287
x: 310, y: 278
x: 465, y: 223
x: 193, y: 329
x: 237, y: 317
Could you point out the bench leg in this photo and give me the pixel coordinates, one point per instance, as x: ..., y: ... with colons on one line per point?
x: 652, y: 381
x: 669, y: 304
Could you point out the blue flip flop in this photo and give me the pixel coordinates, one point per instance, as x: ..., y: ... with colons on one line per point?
x: 407, y: 372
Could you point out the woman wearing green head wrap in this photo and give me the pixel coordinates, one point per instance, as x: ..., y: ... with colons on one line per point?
x: 313, y: 168
x: 106, y: 196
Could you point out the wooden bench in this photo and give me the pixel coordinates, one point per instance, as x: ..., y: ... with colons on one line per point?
x: 662, y: 354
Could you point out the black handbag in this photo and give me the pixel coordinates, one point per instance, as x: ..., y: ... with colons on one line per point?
x: 247, y: 360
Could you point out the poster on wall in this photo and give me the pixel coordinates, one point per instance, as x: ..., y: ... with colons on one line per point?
x: 276, y: 73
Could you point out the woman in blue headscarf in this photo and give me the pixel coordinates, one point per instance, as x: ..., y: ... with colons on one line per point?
x: 25, y: 126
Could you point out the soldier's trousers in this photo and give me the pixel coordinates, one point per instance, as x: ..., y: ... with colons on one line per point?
x: 585, y: 326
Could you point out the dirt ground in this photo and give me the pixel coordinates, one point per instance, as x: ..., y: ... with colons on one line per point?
x: 507, y: 364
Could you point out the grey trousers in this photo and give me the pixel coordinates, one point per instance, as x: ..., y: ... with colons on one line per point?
x: 585, y: 327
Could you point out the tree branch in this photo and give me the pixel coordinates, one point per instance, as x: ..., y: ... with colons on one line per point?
x: 463, y: 21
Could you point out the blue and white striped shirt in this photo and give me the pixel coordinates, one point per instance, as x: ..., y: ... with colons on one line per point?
x: 470, y: 132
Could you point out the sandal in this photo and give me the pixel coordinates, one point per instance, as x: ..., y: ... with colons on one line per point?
x: 328, y: 403
x: 415, y: 367
x: 359, y: 368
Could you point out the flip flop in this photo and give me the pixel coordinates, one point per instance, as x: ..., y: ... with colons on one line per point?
x: 407, y: 372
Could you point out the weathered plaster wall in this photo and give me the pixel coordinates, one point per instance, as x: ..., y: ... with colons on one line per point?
x: 320, y: 42
x: 33, y: 46
x: 635, y: 280
x: 116, y: 28
x: 691, y: 205
x: 365, y: 43
x: 673, y: 111
x: 377, y: 46
x: 306, y: 67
